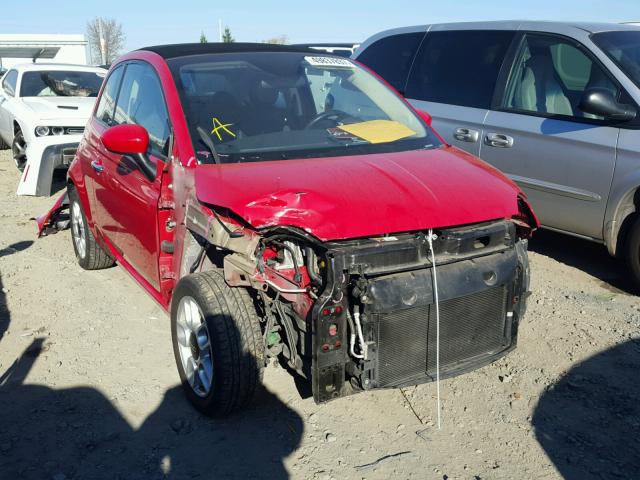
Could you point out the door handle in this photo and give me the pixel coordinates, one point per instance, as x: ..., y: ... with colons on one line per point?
x: 466, y: 134
x: 499, y: 140
x: 97, y: 166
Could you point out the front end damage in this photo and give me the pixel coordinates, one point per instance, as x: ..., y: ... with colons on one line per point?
x: 44, y: 156
x: 359, y: 314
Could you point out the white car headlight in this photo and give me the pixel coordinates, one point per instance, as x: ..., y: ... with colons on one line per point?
x: 42, y: 131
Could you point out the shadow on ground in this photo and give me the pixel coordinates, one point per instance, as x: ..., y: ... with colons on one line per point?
x: 5, y: 319
x: 15, y: 248
x: 590, y: 257
x: 78, y: 433
x: 589, y: 422
x: 58, y: 181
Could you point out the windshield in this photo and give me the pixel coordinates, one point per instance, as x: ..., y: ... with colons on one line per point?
x: 61, y: 84
x: 244, y: 107
x: 624, y: 49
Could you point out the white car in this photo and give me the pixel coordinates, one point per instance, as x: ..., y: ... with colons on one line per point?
x: 43, y: 111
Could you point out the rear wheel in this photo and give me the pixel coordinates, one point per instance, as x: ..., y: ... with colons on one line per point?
x: 3, y: 144
x: 632, y: 253
x: 19, y: 150
x: 90, y: 255
x: 217, y: 343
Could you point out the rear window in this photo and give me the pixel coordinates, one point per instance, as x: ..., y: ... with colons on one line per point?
x: 391, y: 57
x: 458, y: 67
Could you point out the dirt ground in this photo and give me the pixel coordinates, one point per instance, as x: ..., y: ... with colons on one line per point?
x: 89, y: 389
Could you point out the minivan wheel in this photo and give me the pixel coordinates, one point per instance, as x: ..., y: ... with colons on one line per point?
x: 632, y: 252
x: 217, y: 343
x: 90, y: 255
x: 19, y: 150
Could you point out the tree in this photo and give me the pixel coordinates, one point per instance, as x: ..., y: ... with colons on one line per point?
x: 106, y: 39
x: 279, y: 40
x: 226, y: 36
x: 203, y: 38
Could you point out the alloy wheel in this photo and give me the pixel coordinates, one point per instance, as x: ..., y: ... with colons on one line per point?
x: 19, y: 151
x: 194, y: 346
x: 78, y: 230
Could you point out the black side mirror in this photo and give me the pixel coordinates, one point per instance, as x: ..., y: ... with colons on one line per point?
x: 601, y: 102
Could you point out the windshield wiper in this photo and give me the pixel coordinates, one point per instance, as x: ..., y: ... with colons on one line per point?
x: 206, y: 139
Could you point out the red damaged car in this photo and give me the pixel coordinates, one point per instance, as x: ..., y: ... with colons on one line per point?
x: 285, y: 203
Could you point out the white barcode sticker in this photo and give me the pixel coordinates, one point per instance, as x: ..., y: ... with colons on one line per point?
x: 329, y: 62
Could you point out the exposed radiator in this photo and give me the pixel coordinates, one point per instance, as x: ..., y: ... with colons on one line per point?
x: 471, y: 327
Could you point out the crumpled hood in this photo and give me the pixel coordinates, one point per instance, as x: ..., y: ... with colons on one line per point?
x: 359, y: 196
x: 54, y: 108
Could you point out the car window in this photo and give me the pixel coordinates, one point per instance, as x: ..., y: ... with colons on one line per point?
x: 71, y: 83
x: 9, y: 82
x: 459, y: 67
x: 259, y: 106
x: 623, y: 47
x: 141, y: 102
x: 550, y: 75
x: 107, y: 103
x: 391, y: 57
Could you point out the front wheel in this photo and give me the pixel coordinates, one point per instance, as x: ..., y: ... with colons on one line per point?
x: 19, y: 150
x: 217, y: 343
x: 632, y: 253
x: 90, y: 255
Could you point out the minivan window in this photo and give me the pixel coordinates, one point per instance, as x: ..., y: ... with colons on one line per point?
x: 107, y: 104
x: 9, y: 82
x: 391, y: 57
x: 550, y: 76
x: 623, y: 48
x: 458, y: 67
x: 141, y: 102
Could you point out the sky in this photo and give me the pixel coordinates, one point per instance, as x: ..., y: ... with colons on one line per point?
x: 159, y: 22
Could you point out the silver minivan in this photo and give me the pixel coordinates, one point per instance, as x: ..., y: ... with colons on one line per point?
x: 553, y: 105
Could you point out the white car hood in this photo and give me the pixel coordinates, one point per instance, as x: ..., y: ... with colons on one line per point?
x: 60, y: 108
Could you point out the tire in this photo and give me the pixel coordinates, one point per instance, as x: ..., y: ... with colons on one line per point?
x: 632, y: 253
x: 90, y: 255
x: 3, y: 144
x: 18, y: 150
x: 216, y: 337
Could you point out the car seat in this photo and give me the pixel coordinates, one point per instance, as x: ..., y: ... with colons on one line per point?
x: 540, y: 89
x: 262, y: 115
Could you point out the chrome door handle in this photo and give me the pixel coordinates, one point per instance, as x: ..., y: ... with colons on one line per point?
x: 466, y: 134
x: 499, y: 140
x: 97, y: 166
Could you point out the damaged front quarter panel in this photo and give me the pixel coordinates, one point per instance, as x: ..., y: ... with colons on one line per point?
x: 56, y: 219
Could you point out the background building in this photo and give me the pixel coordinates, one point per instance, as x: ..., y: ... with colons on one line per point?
x: 23, y: 48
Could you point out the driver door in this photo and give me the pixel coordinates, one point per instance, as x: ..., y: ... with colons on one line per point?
x: 126, y: 200
x: 7, y: 94
x: 560, y: 156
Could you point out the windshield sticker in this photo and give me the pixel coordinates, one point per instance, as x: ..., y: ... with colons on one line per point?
x: 379, y: 131
x: 218, y: 126
x: 340, y: 134
x: 329, y: 62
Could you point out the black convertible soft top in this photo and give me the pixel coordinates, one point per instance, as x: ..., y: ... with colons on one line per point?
x: 188, y: 49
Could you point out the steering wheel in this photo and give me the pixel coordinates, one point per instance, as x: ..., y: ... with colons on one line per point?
x: 333, y: 115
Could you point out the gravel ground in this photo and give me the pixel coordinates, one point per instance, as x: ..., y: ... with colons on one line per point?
x: 88, y: 386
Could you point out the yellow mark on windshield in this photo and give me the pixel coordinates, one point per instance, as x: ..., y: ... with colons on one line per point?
x: 378, y: 131
x: 218, y: 125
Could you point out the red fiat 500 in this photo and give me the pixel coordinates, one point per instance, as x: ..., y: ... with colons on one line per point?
x: 285, y: 203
